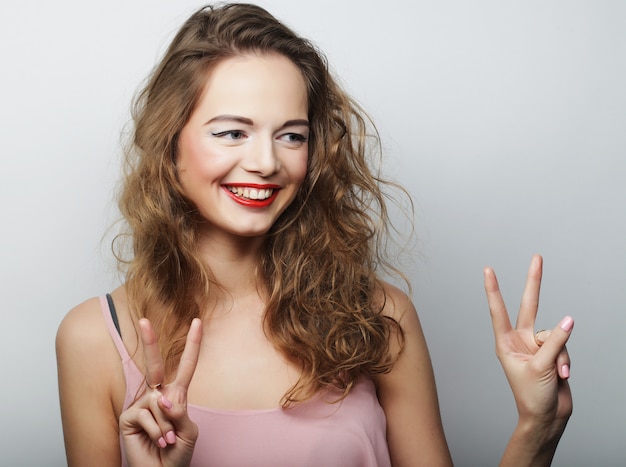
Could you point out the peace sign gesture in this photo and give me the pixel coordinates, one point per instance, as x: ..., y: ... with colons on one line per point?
x: 156, y: 429
x: 536, y: 366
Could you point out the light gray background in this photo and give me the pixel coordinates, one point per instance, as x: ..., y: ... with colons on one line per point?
x: 505, y: 120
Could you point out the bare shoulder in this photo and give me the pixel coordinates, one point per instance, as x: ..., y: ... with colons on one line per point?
x: 85, y: 349
x: 91, y: 382
x: 83, y: 329
x: 81, y: 325
x: 398, y: 305
x: 84, y: 346
x: 82, y: 336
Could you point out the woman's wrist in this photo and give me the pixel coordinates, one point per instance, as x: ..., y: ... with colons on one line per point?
x: 533, y: 442
x: 541, y: 429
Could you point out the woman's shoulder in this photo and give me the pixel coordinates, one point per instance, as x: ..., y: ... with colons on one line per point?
x: 397, y: 305
x: 87, y: 355
x: 83, y: 337
x: 91, y: 383
x: 82, y: 324
x: 85, y: 322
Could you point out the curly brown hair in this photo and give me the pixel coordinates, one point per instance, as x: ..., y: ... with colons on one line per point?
x: 319, y: 261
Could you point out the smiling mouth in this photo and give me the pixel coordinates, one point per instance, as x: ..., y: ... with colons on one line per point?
x: 250, y: 193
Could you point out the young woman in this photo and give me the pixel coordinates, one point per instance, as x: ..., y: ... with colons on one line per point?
x: 253, y: 328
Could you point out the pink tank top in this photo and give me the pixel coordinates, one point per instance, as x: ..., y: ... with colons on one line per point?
x: 351, y: 433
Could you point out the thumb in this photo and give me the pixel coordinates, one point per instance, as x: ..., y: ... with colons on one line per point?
x: 555, y: 342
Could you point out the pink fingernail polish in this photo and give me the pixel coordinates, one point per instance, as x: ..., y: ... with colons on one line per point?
x: 166, y: 402
x: 170, y: 437
x: 567, y: 323
x: 565, y: 371
x: 162, y: 442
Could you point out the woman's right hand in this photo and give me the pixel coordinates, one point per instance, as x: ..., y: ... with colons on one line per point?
x: 537, y: 371
x: 156, y: 429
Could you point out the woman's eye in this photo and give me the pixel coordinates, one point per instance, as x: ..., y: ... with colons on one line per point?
x: 230, y: 134
x: 295, y: 139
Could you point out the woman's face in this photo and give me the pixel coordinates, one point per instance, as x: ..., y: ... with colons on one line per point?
x: 242, y: 155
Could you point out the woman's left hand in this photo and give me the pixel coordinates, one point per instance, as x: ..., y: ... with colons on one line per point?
x: 156, y: 428
x: 537, y: 369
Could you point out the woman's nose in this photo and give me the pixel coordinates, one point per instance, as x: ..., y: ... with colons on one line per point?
x: 261, y: 158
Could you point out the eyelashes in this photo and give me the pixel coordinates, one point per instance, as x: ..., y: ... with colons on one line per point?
x: 295, y: 138
x: 233, y: 135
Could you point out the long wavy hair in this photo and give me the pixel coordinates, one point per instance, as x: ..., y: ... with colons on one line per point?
x: 319, y: 262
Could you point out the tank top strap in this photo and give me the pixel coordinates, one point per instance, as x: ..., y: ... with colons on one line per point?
x: 110, y: 318
x: 113, y: 313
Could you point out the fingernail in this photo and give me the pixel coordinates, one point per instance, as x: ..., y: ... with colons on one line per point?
x: 162, y: 442
x: 170, y: 437
x: 567, y: 323
x: 565, y: 371
x: 166, y: 402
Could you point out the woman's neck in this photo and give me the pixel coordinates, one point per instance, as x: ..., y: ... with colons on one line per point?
x: 234, y: 263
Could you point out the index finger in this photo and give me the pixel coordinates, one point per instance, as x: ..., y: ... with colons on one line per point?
x: 189, y: 359
x: 153, y: 361
x: 499, y: 315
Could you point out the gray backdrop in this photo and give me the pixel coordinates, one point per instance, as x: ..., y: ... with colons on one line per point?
x: 505, y: 120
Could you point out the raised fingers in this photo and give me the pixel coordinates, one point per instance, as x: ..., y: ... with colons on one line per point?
x: 153, y: 361
x: 530, y: 298
x: 189, y: 359
x: 161, y: 415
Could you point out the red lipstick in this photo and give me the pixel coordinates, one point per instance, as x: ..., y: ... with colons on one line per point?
x: 247, y: 201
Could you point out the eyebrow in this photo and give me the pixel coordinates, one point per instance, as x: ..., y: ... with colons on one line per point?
x: 247, y: 121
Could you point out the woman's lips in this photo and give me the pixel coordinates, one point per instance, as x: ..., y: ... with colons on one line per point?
x: 252, y: 195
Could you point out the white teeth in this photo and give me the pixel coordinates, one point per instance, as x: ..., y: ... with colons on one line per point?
x: 251, y: 193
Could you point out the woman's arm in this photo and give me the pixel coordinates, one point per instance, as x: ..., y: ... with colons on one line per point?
x: 89, y: 367
x: 537, y: 376
x: 408, y: 394
x: 156, y: 430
